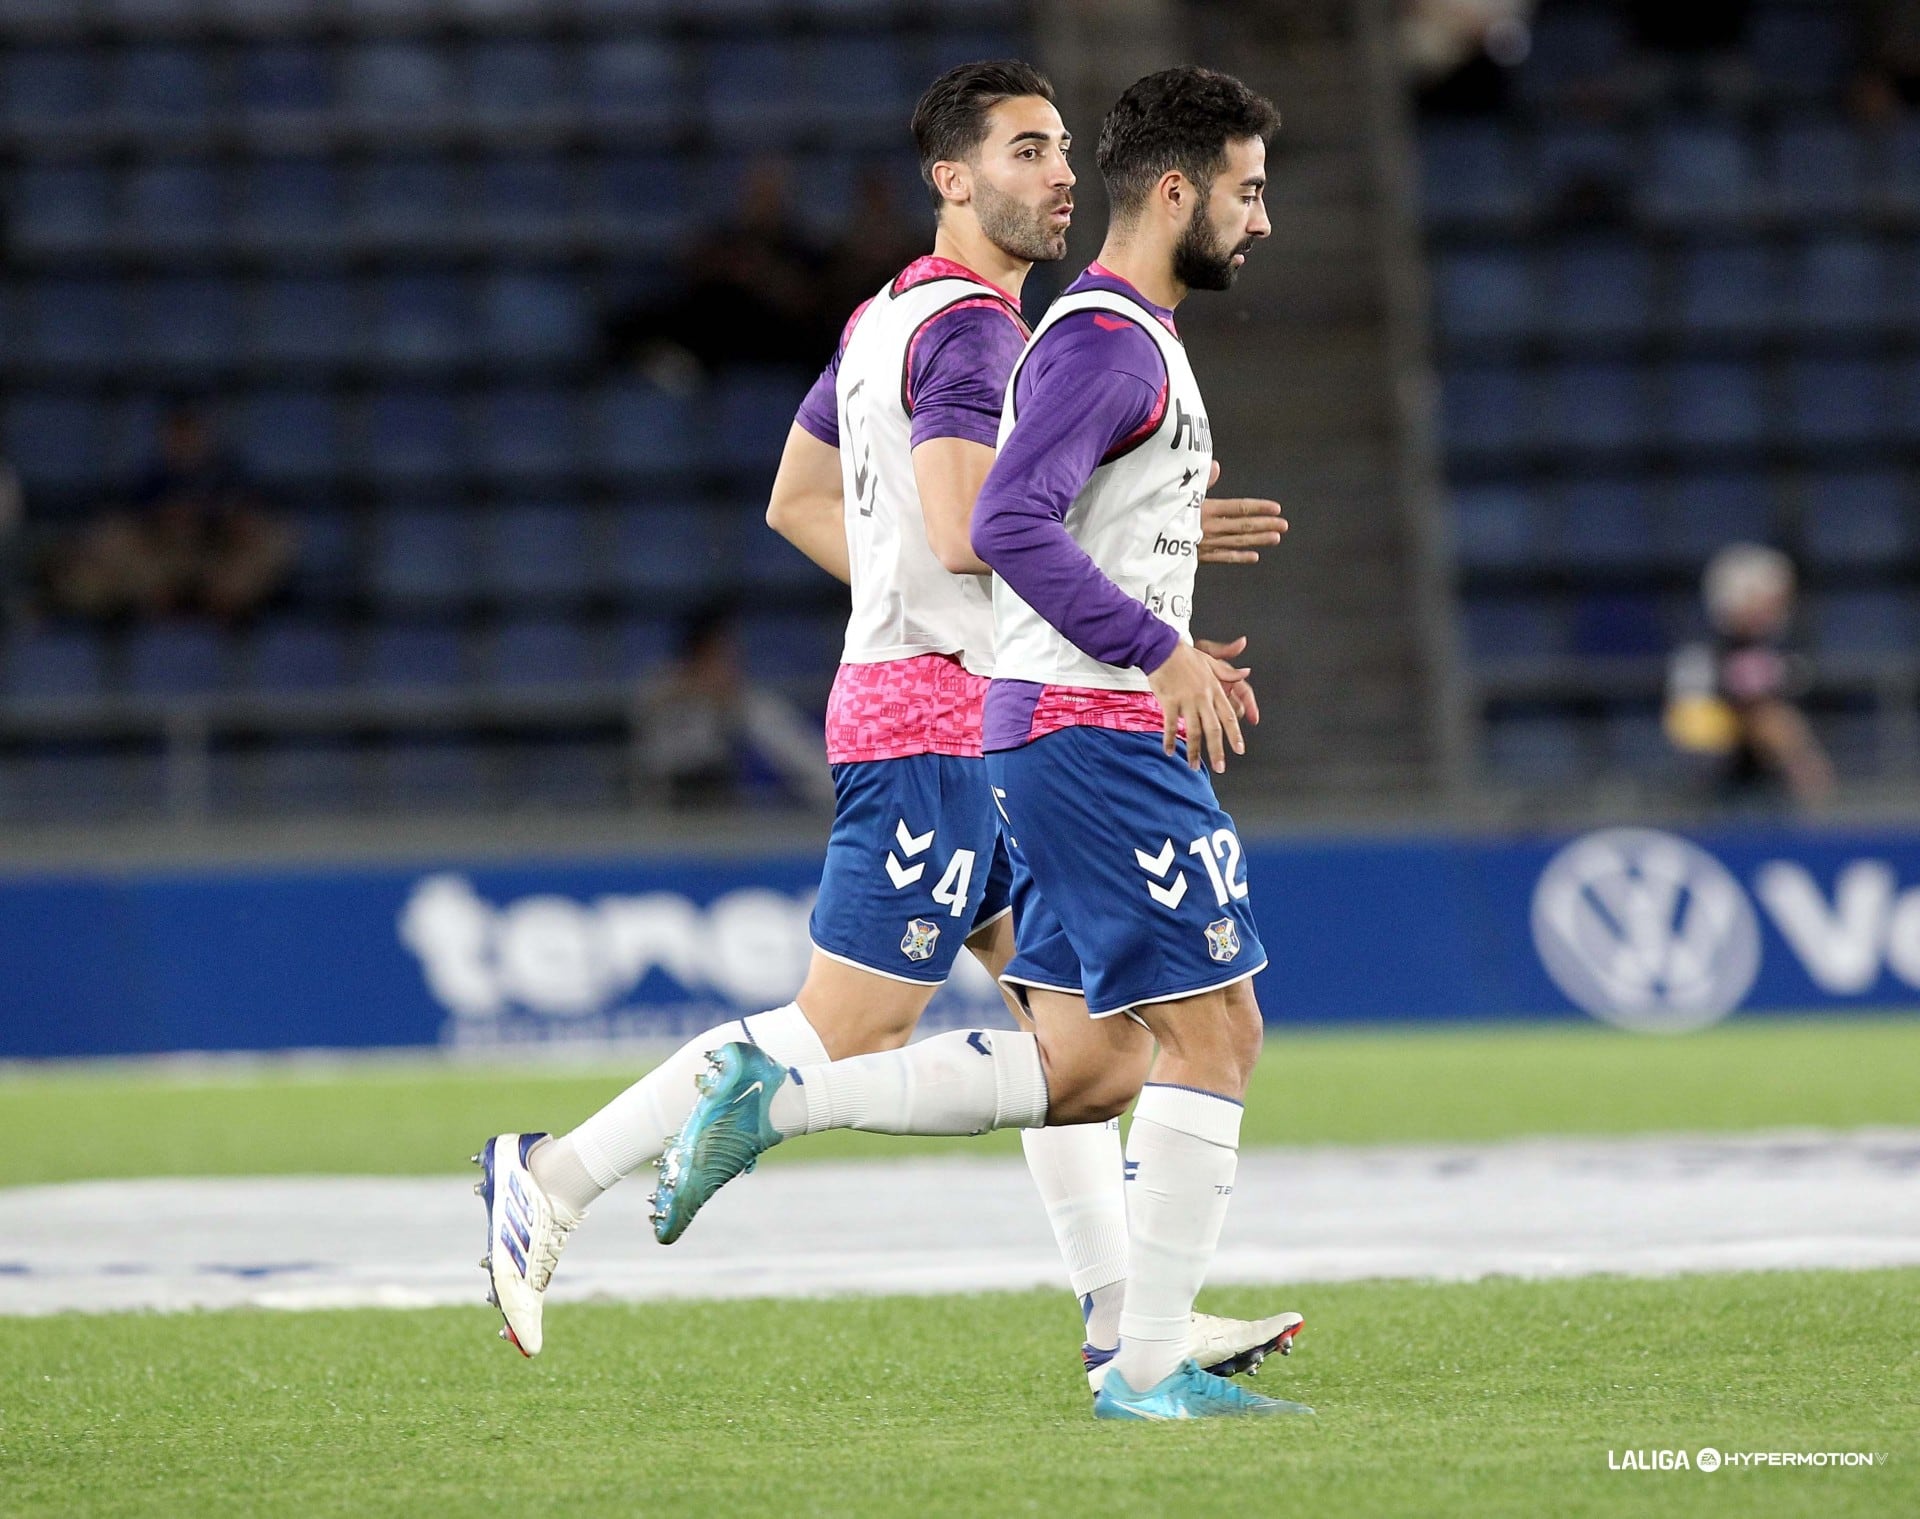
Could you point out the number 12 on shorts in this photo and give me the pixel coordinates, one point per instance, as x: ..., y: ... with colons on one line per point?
x: 1219, y: 851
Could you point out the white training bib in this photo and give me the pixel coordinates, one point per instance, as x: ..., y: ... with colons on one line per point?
x: 1137, y: 518
x: 905, y: 602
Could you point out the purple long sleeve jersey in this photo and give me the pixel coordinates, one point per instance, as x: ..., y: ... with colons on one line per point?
x: 1093, y: 386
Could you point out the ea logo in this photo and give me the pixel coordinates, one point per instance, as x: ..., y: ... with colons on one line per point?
x: 1645, y: 930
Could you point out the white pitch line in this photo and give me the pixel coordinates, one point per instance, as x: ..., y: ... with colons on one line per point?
x: 1534, y: 1208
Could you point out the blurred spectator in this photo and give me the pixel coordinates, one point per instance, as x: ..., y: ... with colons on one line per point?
x: 752, y: 292
x: 12, y: 545
x: 711, y: 733
x: 1462, y: 52
x: 1734, y: 700
x: 194, y: 541
x: 879, y: 240
x: 1889, y: 79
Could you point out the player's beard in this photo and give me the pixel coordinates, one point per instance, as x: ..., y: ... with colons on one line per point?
x: 1200, y: 259
x: 1016, y: 228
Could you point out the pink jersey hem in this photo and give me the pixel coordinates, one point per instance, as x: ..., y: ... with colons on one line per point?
x: 928, y: 704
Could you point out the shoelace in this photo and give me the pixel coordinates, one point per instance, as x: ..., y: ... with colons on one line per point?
x: 548, y: 1244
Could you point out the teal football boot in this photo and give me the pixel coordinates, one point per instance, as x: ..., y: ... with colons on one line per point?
x: 1186, y: 1393
x: 725, y: 1135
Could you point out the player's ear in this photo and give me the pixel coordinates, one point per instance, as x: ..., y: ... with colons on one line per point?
x: 954, y: 181
x: 1174, y: 191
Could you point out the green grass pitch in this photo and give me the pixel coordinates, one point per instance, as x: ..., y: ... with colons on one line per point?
x: 1495, y: 1398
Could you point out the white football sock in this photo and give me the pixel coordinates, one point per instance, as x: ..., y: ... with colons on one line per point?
x: 963, y: 1083
x: 1079, y: 1170
x: 1184, y: 1146
x: 633, y: 1128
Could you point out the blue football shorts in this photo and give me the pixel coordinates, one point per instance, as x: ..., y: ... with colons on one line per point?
x: 915, y: 864
x: 1129, y: 885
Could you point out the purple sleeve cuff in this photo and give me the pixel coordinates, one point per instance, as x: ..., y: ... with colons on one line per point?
x: 1071, y: 413
x: 957, y: 369
x: 819, y: 413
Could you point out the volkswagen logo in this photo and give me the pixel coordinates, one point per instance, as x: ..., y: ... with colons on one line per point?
x: 1645, y: 930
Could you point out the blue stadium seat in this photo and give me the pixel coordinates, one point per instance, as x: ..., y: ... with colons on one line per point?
x: 1486, y: 294
x: 1839, y: 400
x: 1618, y: 625
x: 291, y: 434
x: 1486, y: 408
x: 1715, y: 404
x: 175, y: 660
x: 642, y: 645
x: 558, y: 773
x: 1635, y: 741
x: 190, y: 320
x: 540, y: 651
x: 534, y: 316
x: 423, y: 319
x: 132, y: 434
x: 290, y: 655
x: 861, y: 76
x: 1605, y: 406
x: 754, y: 409
x: 511, y: 79
x: 82, y: 322
x: 1706, y: 512
x: 1840, y: 283
x: 1573, y: 163
x: 1903, y: 165
x: 523, y: 195
x: 408, y: 654
x: 628, y: 79
x: 1536, y: 749
x: 307, y: 319
x: 294, y: 200
x: 535, y: 551
x: 178, y: 203
x: 74, y: 782
x: 1497, y: 526
x: 529, y: 431
x: 1468, y: 171
x: 434, y: 775
x: 55, y: 440
x: 639, y: 430
x: 753, y: 87
x: 1874, y: 622
x: 415, y: 434
x: 279, y: 82
x: 1601, y: 289
x: 792, y: 645
x: 1606, y: 523
x: 765, y: 559
x: 53, y: 88
x: 1818, y: 169
x: 52, y: 662
x: 164, y: 85
x: 672, y: 549
x: 1700, y: 170
x: 1576, y: 49
x: 326, y: 555
x: 57, y: 206
x: 642, y: 198
x: 398, y: 81
x: 1505, y: 629
x: 1858, y: 518
x: 1728, y: 288
x: 1803, y: 51
x: 408, y: 197
x: 423, y: 555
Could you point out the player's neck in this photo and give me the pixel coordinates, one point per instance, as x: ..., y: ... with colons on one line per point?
x: 972, y: 249
x: 1148, y: 270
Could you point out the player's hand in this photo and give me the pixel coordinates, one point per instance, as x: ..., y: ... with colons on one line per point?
x: 1234, y: 529
x: 1233, y: 677
x: 1190, y: 692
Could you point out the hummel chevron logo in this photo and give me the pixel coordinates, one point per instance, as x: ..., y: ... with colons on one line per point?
x: 904, y: 876
x: 1158, y: 865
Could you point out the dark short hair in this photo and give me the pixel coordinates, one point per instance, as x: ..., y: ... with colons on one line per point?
x: 950, y: 122
x: 1180, y: 119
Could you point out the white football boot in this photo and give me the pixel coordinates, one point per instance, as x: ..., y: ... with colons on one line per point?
x: 1223, y: 1347
x: 526, y: 1231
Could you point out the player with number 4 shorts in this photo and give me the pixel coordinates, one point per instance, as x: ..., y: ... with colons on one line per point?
x: 877, y: 485
x: 1136, y: 939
